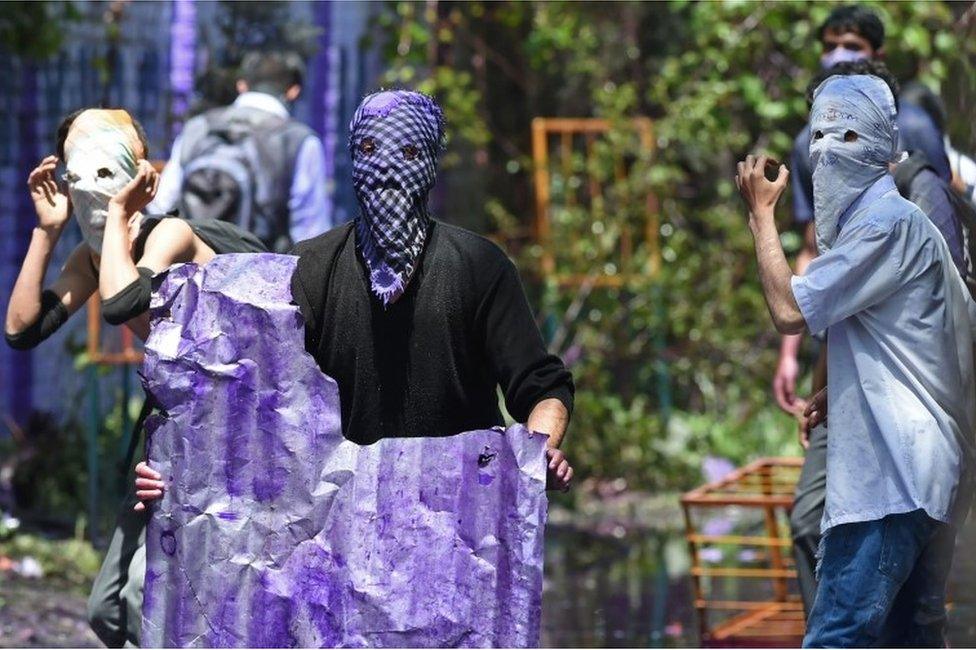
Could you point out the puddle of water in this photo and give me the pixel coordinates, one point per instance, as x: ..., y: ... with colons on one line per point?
x: 608, y: 592
x: 635, y: 591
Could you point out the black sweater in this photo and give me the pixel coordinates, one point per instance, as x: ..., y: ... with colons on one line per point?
x: 429, y: 364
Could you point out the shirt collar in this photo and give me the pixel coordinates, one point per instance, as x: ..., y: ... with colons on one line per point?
x: 877, y: 189
x: 262, y: 101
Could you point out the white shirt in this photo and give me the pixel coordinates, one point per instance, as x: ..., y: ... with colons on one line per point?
x: 900, y: 367
x: 308, y: 206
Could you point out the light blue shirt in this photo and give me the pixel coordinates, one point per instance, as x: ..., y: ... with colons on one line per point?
x: 307, y: 201
x: 900, y: 329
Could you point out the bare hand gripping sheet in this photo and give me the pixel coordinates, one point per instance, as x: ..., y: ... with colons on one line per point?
x: 275, y: 531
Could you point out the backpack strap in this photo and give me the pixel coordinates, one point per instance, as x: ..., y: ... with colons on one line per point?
x: 906, y: 171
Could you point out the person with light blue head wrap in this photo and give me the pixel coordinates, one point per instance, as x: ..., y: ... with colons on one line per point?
x: 852, y: 141
x: 900, y: 328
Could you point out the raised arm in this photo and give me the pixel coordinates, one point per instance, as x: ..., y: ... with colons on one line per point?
x: 33, y: 313
x: 124, y: 282
x: 118, y: 270
x: 775, y: 274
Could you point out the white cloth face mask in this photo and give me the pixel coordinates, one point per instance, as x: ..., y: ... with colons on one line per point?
x: 98, y: 167
x: 853, y: 137
x: 841, y: 55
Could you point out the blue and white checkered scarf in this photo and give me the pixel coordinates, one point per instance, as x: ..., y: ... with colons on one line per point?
x: 395, y: 141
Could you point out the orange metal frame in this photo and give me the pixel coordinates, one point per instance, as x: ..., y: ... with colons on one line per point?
x: 766, y: 484
x: 567, y: 129
x: 129, y: 354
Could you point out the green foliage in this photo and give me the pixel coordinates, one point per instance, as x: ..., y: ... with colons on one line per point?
x: 34, y: 29
x: 677, y: 366
x: 72, y: 561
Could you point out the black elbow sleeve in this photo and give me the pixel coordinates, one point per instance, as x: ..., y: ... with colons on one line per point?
x: 53, y: 315
x: 131, y: 301
x: 549, y: 378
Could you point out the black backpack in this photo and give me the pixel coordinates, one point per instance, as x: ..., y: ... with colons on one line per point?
x: 963, y: 208
x: 238, y: 165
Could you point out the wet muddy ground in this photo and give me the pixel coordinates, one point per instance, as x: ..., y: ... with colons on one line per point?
x: 36, y: 613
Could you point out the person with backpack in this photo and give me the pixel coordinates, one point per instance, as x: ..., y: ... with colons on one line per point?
x: 963, y: 167
x: 917, y: 181
x: 250, y: 163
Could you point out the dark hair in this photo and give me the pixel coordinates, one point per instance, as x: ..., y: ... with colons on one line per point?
x: 69, y: 119
x: 862, y: 66
x: 272, y: 72
x: 857, y: 19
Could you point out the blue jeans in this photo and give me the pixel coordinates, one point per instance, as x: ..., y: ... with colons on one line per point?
x: 882, y: 584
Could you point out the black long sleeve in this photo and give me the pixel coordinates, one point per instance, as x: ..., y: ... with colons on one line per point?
x: 430, y: 363
x: 525, y: 370
x: 131, y: 301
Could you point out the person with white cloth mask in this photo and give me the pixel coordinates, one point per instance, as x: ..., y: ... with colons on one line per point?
x: 899, y: 324
x: 106, y: 186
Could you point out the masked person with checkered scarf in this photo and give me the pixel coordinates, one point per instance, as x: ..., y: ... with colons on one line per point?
x: 420, y: 322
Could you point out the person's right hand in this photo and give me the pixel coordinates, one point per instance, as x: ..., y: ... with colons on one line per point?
x: 149, y: 485
x: 802, y: 424
x: 784, y: 383
x: 51, y: 202
x: 816, y: 410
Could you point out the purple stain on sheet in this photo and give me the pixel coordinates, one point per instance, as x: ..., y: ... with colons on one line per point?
x: 149, y: 591
x: 300, y: 537
x: 485, y: 457
x: 267, y: 621
x: 167, y: 542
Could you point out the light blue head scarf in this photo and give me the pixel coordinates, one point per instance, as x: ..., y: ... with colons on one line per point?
x: 845, y: 166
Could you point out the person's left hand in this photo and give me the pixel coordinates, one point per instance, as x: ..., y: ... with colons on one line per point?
x: 559, y: 474
x: 759, y: 193
x: 149, y: 485
x: 138, y: 192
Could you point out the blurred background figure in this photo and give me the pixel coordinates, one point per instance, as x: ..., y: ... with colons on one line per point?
x: 250, y: 163
x: 962, y: 166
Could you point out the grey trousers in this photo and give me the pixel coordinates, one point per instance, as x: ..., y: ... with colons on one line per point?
x: 115, y: 603
x: 808, y: 507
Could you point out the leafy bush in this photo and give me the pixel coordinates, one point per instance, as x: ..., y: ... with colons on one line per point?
x: 72, y: 561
